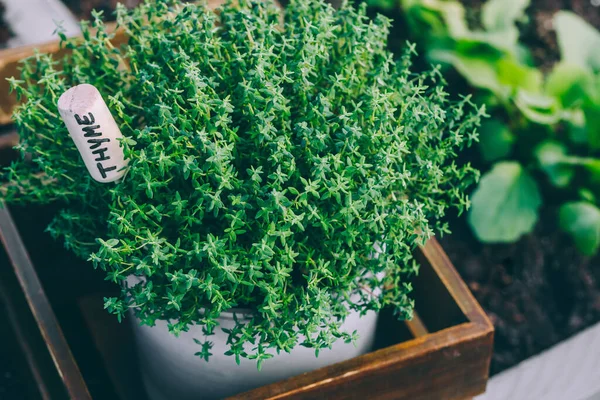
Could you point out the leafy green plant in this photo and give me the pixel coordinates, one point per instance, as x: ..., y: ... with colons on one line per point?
x: 266, y: 161
x: 544, y: 136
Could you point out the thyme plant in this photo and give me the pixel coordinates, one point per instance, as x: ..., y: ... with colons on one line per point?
x: 268, y: 154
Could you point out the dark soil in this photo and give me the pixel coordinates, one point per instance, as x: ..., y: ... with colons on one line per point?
x: 539, y: 36
x: 537, y: 291
x: 537, y: 33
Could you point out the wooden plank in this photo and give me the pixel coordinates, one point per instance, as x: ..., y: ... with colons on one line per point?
x: 446, y: 365
x: 41, y: 309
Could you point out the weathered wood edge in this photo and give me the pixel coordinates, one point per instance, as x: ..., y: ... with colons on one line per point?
x: 309, y: 385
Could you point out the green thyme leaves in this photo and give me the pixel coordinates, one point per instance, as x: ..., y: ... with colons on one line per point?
x: 268, y: 155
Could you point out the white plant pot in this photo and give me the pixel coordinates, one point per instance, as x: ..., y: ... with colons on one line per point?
x: 170, y: 370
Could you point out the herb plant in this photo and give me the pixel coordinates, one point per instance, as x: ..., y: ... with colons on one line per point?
x: 542, y: 144
x: 268, y: 154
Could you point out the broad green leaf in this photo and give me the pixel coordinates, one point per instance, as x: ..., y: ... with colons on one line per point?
x: 554, y: 159
x: 551, y: 157
x: 578, y: 41
x: 577, y: 132
x: 496, y: 140
x: 591, y: 111
x: 501, y: 74
x: 592, y: 125
x: 479, y: 72
x: 504, y: 41
x: 587, y: 195
x: 500, y: 15
x: 472, y: 47
x: 594, y: 92
x: 505, y: 205
x: 454, y: 16
x: 582, y: 221
x: 523, y: 54
x: 538, y: 108
x: 569, y: 83
x: 518, y: 76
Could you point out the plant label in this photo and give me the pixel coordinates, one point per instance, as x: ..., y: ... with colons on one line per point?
x: 94, y: 131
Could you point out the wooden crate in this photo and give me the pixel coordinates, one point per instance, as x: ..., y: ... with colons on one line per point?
x: 444, y: 353
x: 74, y: 349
